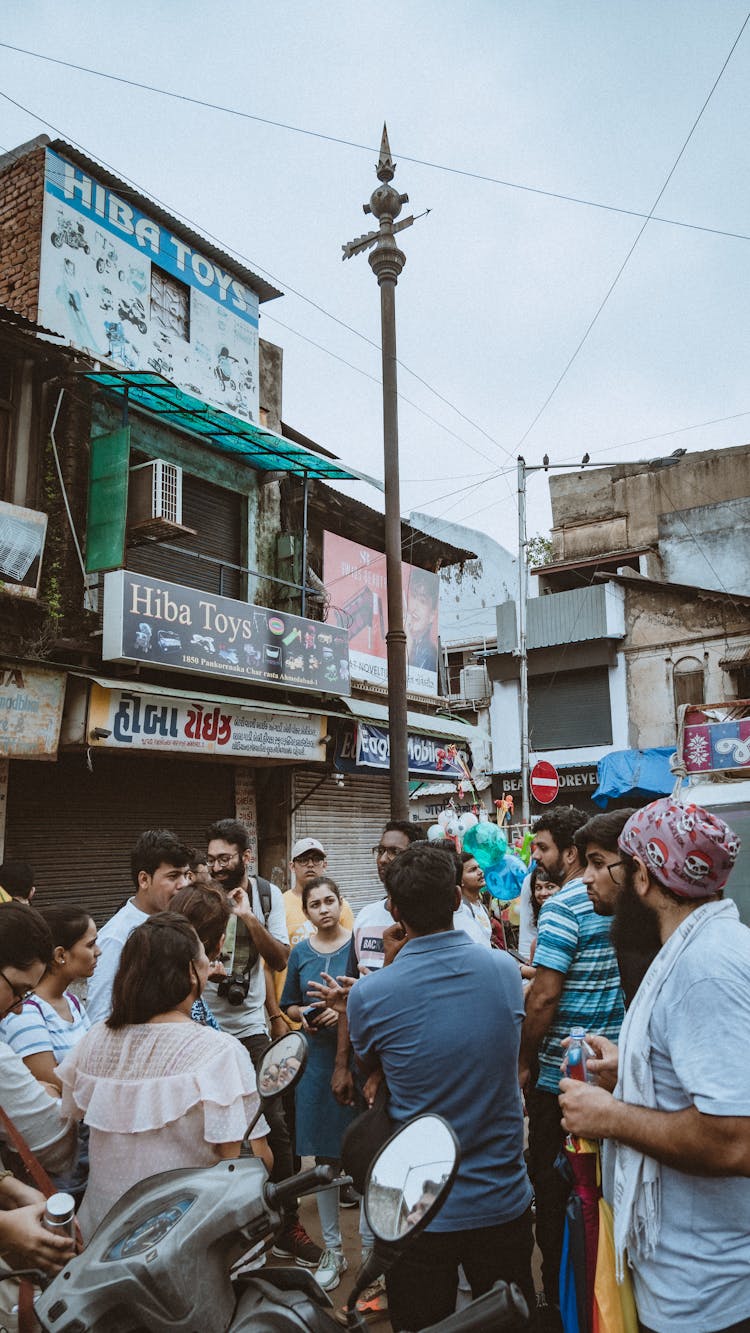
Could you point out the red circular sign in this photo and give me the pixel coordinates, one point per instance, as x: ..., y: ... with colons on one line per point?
x: 544, y: 782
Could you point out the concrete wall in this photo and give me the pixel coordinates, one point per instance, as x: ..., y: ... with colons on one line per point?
x: 708, y: 546
x: 21, y: 201
x: 607, y: 509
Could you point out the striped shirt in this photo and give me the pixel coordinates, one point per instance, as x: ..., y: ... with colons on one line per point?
x: 575, y: 941
x: 39, y: 1027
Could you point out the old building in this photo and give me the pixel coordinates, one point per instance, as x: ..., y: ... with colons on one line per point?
x: 645, y: 607
x: 172, y: 652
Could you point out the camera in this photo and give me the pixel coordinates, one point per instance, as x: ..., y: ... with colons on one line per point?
x: 234, y: 989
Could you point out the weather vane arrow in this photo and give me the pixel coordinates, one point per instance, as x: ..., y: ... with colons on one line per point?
x: 362, y: 243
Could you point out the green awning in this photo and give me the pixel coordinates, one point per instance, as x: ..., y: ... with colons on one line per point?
x: 252, y: 445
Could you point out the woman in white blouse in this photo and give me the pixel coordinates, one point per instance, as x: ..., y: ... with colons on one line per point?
x: 157, y: 1090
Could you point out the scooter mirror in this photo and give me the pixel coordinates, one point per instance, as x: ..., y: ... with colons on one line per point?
x: 282, y: 1064
x: 409, y: 1179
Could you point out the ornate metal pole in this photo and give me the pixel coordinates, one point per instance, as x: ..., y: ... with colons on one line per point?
x: 387, y: 261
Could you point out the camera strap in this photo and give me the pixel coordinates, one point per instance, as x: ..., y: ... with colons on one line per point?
x: 245, y: 953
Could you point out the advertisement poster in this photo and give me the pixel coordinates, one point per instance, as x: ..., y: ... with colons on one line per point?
x: 183, y: 629
x: 127, y: 720
x: 107, y: 285
x: 31, y: 705
x: 22, y: 534
x: 368, y: 746
x: 355, y: 579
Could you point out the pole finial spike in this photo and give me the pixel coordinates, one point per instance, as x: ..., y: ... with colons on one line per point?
x: 386, y: 167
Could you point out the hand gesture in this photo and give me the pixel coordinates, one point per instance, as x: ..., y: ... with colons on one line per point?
x: 333, y: 993
x: 239, y: 901
x: 604, y: 1064
x: 394, y: 939
x: 586, y: 1109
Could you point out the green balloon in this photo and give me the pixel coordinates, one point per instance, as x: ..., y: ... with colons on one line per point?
x: 486, y: 843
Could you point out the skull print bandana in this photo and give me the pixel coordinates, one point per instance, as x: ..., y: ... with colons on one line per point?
x: 685, y: 848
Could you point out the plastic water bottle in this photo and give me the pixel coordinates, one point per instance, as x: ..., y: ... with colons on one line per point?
x: 59, y: 1215
x: 577, y: 1054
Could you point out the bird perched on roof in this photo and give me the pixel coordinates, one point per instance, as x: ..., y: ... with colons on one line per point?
x: 545, y: 461
x: 586, y: 459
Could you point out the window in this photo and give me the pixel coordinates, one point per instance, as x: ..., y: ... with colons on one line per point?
x: 570, y: 708
x: 455, y: 662
x: 688, y: 682
x: 170, y: 304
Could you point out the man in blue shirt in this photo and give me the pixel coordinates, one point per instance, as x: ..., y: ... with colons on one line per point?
x: 443, y: 1021
x: 577, y: 982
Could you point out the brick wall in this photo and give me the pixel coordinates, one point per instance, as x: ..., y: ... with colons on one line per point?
x: 21, y: 201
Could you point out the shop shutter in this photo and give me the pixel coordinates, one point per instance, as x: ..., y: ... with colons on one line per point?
x: 216, y: 516
x: 348, y: 821
x: 569, y: 709
x: 77, y: 828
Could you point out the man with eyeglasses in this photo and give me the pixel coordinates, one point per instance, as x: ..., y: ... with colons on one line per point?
x: 256, y: 935
x: 577, y: 982
x: 159, y: 866
x: 635, y: 931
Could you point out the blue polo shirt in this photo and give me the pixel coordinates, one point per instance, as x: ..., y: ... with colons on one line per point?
x: 445, y: 1022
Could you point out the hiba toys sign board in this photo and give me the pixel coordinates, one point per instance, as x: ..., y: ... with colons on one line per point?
x: 183, y: 629
x: 355, y: 579
x: 119, y: 284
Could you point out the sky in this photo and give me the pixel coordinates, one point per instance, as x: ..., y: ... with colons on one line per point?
x: 590, y: 99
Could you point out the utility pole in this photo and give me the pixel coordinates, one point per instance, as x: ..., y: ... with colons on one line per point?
x: 386, y: 262
x: 653, y: 464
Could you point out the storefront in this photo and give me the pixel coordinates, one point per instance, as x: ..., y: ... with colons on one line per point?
x: 347, y: 808
x: 31, y: 709
x: 577, y: 786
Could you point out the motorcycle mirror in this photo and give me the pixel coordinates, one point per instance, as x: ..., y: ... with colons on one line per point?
x: 281, y: 1065
x: 409, y: 1179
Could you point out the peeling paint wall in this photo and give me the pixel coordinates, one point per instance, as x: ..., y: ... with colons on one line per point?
x: 469, y: 593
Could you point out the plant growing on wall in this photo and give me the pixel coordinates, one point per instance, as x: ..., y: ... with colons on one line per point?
x: 538, y: 550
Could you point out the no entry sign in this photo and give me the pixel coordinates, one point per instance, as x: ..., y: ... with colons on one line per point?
x: 544, y: 782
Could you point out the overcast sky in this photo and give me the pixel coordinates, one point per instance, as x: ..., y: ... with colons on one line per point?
x: 585, y: 98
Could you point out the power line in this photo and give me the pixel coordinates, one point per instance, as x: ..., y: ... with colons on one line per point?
x: 245, y: 260
x: 367, y: 148
x: 641, y: 230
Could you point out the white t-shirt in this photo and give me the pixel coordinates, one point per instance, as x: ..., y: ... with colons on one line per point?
x: 527, y: 930
x: 371, y: 921
x: 111, y: 940
x: 248, y: 1019
x: 698, y: 1277
x: 36, y: 1115
x: 473, y: 919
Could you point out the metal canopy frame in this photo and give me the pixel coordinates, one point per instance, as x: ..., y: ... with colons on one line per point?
x: 255, y: 446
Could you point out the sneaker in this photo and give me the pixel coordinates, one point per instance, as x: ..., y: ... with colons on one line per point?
x: 348, y: 1197
x: 329, y: 1270
x: 373, y: 1303
x: 248, y: 1262
x: 294, y: 1243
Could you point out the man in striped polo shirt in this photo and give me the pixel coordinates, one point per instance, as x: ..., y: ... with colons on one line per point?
x: 577, y: 983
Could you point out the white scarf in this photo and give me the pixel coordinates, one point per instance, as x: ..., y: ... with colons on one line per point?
x: 637, y: 1178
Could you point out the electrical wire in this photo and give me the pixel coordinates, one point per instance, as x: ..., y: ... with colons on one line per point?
x: 245, y: 260
x: 367, y: 148
x: 641, y: 230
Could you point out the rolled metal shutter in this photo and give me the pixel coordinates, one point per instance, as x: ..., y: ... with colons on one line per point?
x: 348, y: 821
x: 216, y: 516
x: 77, y: 828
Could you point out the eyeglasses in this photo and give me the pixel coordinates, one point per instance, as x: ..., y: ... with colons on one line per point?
x: 309, y: 859
x: 20, y: 995
x: 225, y: 859
x: 611, y: 866
x: 382, y: 853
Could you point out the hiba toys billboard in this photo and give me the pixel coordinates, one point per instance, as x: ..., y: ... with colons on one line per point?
x: 118, y: 284
x: 355, y: 580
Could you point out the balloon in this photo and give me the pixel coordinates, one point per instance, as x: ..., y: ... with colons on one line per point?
x: 504, y: 880
x: 451, y: 826
x: 486, y: 843
x: 435, y: 831
x: 444, y: 817
x: 466, y: 821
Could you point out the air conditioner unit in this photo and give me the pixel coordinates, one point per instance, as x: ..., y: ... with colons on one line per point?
x: 475, y: 687
x: 155, y: 500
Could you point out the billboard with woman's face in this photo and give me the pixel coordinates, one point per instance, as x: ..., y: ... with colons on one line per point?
x: 355, y: 578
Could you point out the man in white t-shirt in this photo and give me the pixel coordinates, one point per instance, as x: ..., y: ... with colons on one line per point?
x: 159, y: 865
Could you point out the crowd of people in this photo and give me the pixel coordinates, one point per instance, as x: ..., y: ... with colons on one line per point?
x: 132, y: 1048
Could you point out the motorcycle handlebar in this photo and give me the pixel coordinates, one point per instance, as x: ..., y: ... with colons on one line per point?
x: 286, y: 1191
x: 502, y: 1309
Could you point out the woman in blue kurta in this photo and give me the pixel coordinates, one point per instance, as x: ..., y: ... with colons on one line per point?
x: 320, y: 1119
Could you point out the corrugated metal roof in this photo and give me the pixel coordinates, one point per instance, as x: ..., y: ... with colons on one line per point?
x: 736, y: 656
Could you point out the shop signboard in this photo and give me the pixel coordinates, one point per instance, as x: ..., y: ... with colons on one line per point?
x: 31, y: 705
x: 355, y: 579
x: 129, y: 720
x: 22, y: 534
x: 183, y: 629
x: 368, y: 746
x: 120, y: 284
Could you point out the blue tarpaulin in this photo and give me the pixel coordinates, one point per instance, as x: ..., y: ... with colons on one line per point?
x: 634, y: 773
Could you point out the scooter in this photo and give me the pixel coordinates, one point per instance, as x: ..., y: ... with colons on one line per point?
x: 161, y: 1260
